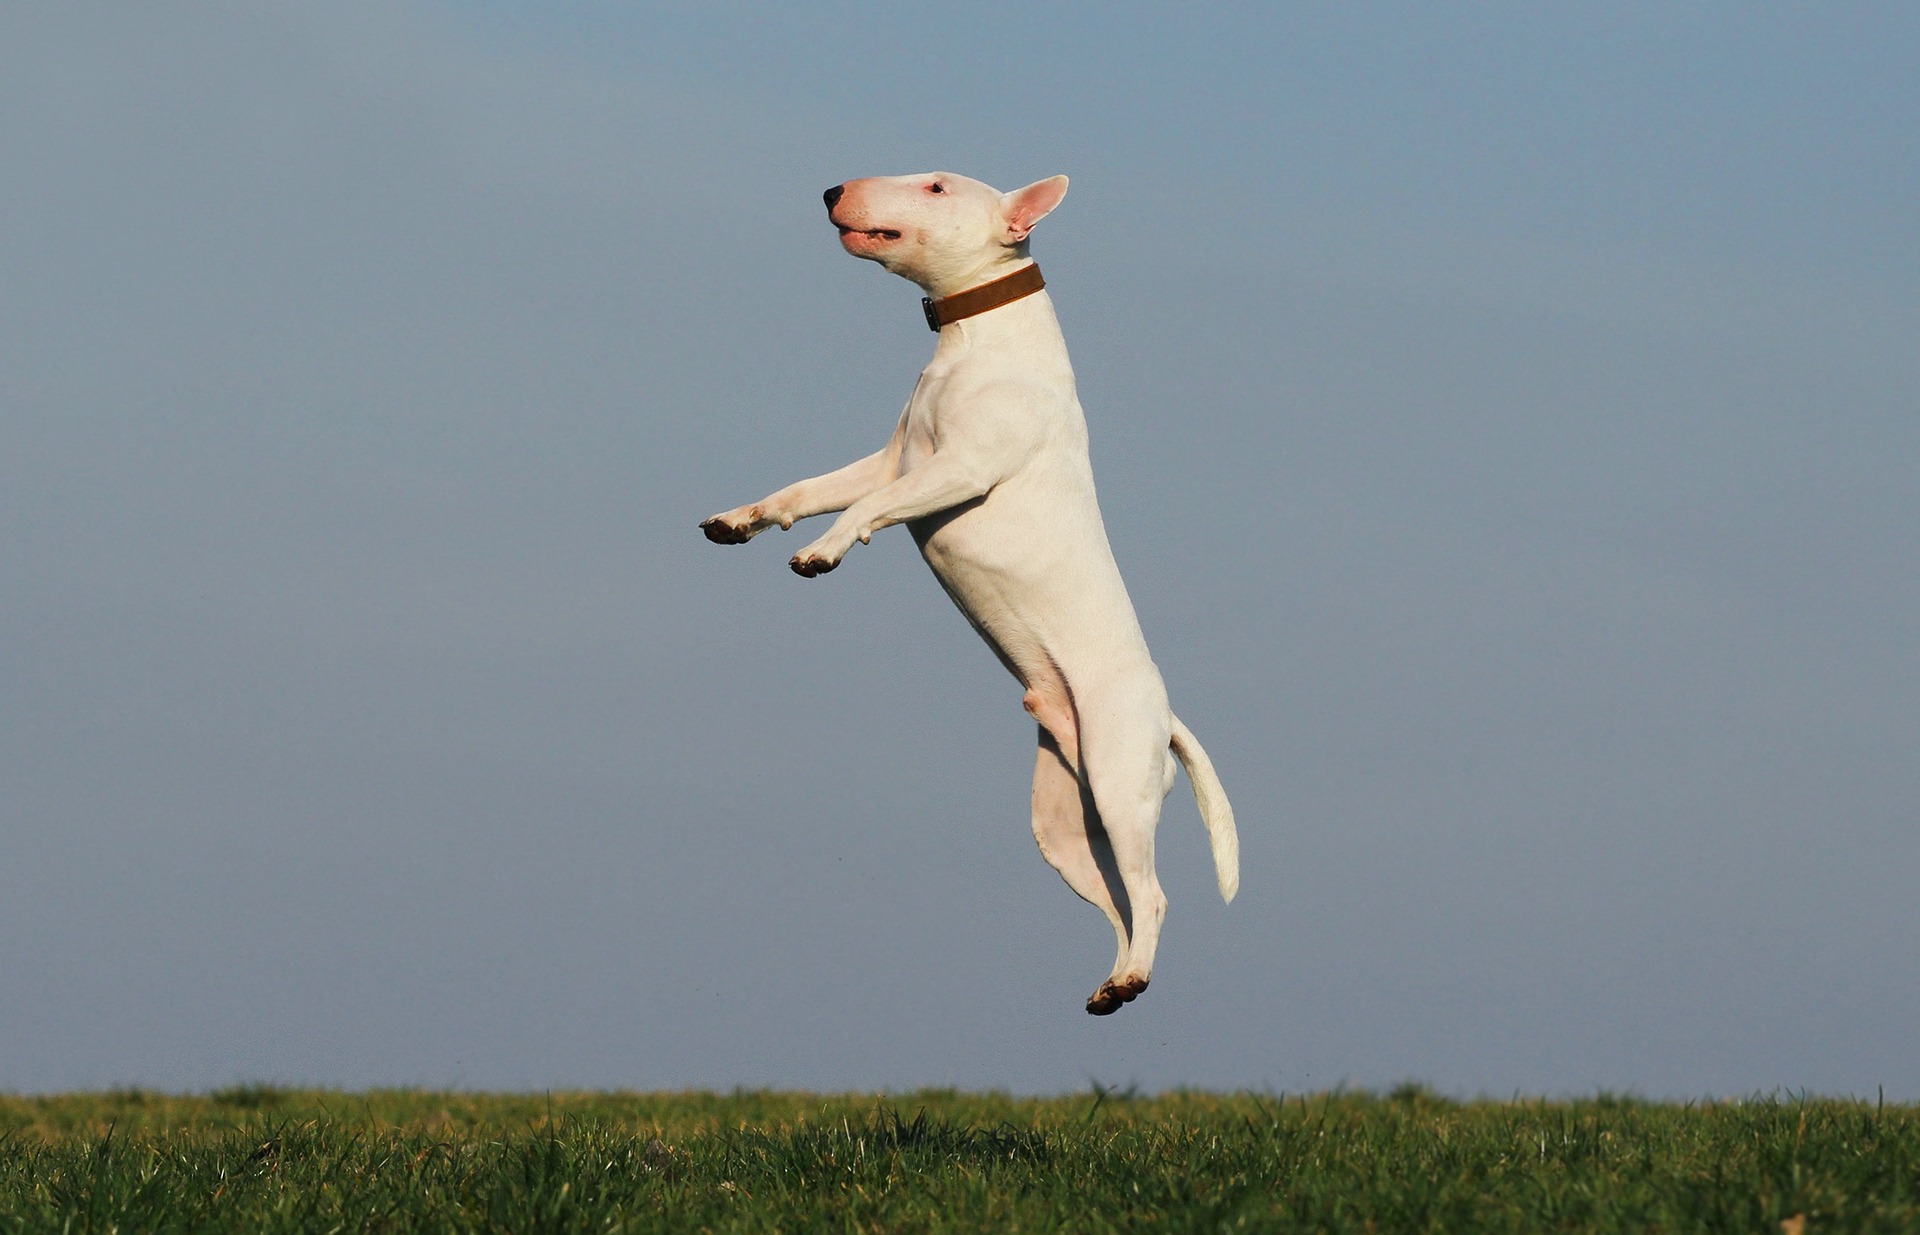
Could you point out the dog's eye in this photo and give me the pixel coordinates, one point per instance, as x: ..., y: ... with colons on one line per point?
x: 936, y: 187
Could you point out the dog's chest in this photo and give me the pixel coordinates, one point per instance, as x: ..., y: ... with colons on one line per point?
x: 965, y: 401
x: 935, y: 411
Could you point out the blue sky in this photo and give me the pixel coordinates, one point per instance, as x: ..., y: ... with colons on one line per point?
x: 1505, y: 419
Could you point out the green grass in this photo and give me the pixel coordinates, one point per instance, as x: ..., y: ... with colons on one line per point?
x: 261, y: 1159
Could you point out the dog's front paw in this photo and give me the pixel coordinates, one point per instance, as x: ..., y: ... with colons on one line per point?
x: 807, y: 563
x: 825, y: 553
x: 734, y: 527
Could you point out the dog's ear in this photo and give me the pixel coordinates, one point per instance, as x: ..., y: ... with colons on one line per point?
x: 1028, y: 206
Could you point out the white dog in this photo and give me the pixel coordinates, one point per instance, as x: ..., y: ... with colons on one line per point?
x: 988, y: 469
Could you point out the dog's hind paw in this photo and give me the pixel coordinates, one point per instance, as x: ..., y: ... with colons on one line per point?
x: 1107, y: 1000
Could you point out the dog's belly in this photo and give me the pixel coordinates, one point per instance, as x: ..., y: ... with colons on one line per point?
x: 1036, y: 578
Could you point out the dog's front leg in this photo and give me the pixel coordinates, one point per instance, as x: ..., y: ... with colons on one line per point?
x: 817, y: 495
x: 942, y: 482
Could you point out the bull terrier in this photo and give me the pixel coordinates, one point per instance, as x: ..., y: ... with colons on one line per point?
x: 988, y: 469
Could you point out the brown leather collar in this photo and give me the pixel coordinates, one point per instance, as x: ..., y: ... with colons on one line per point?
x: 1005, y: 290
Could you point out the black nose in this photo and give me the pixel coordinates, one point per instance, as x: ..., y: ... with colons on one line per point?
x: 833, y: 195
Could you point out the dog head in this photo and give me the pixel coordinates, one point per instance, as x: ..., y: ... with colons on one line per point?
x: 945, y: 232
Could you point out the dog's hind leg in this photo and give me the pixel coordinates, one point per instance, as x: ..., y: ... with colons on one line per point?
x: 1126, y: 764
x: 1072, y: 840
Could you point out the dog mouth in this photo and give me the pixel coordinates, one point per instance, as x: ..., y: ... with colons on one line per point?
x: 871, y: 233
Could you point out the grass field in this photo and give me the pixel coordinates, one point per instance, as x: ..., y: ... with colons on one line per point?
x: 259, y: 1159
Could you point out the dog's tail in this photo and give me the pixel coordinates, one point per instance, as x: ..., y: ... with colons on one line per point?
x: 1214, y: 808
